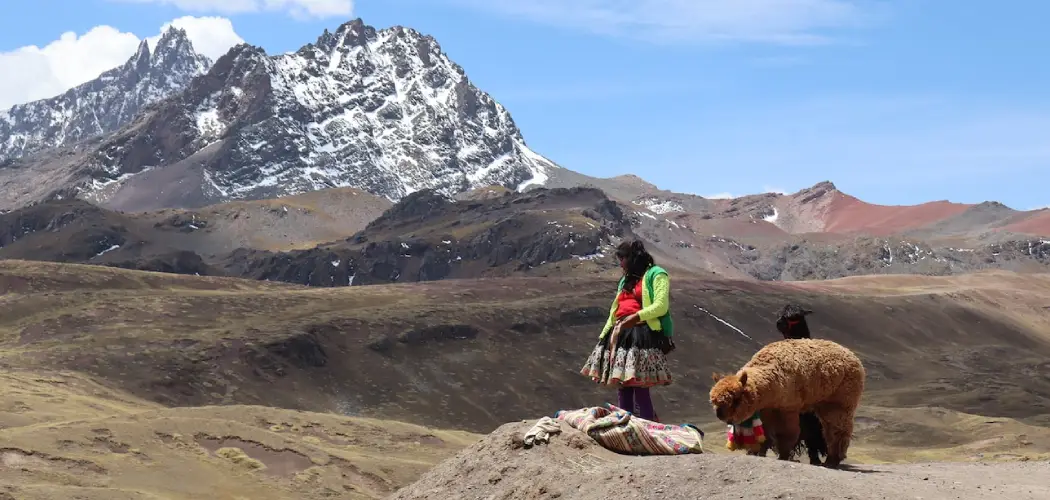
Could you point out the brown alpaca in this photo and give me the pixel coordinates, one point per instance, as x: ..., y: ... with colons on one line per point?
x: 791, y: 323
x: 796, y: 376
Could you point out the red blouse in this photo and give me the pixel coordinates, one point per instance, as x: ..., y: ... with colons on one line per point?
x: 629, y: 303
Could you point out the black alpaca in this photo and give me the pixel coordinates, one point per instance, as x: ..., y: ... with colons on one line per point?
x: 791, y: 323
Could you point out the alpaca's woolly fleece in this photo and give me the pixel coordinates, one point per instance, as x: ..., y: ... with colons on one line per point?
x: 791, y: 375
x: 797, y: 376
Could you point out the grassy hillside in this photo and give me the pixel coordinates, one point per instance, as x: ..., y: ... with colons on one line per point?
x: 475, y: 354
x: 66, y: 436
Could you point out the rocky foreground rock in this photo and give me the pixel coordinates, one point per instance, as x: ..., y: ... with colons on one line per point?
x: 573, y: 466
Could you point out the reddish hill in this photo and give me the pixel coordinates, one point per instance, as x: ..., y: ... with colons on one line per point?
x: 847, y: 214
x: 1038, y: 223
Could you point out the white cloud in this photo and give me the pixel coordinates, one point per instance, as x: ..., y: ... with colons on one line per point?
x: 730, y: 196
x: 211, y: 36
x: 32, y: 72
x: 719, y: 196
x: 768, y: 21
x: 297, y: 8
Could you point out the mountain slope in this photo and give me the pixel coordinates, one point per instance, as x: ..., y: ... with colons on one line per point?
x: 426, y: 237
x: 384, y: 111
x: 104, y: 104
x: 183, y: 241
x: 819, y: 209
x: 338, y: 237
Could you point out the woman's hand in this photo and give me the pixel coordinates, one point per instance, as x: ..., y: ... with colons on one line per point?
x: 614, y: 338
x: 630, y: 321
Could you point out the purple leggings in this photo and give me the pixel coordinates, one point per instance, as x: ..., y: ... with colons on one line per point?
x: 637, y: 401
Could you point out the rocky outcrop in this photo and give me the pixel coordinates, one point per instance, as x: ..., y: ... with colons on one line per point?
x: 808, y: 260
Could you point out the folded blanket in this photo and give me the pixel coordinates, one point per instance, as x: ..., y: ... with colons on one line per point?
x: 620, y: 431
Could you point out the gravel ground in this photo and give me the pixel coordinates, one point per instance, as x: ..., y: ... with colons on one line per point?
x: 573, y: 466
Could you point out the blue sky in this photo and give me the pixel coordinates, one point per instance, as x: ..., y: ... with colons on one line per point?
x: 897, y: 102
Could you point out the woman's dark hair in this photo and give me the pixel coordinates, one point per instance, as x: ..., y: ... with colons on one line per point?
x: 638, y: 261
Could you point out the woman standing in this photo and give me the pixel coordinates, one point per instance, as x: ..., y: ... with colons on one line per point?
x: 632, y: 349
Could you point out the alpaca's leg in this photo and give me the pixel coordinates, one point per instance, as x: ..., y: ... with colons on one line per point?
x: 785, y: 434
x: 771, y: 422
x: 769, y: 442
x: 814, y: 454
x: 812, y: 436
x: 837, y: 422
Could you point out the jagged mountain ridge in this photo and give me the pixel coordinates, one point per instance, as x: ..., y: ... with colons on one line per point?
x: 385, y: 111
x: 426, y: 236
x: 106, y: 103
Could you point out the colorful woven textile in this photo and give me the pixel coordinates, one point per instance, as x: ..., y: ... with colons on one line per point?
x: 620, y: 431
x: 748, y: 435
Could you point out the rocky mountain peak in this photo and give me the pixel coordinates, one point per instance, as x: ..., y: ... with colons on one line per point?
x: 174, y: 48
x: 140, y: 61
x: 105, y: 104
x: 816, y: 191
x: 824, y: 186
x: 353, y: 33
x: 385, y: 111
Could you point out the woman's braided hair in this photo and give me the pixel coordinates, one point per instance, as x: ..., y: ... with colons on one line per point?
x: 638, y: 261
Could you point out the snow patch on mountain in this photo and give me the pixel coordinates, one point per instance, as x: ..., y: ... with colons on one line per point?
x: 659, y: 206
x: 772, y: 218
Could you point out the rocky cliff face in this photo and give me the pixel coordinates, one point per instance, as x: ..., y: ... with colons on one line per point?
x: 385, y: 111
x: 104, y: 104
x: 426, y: 237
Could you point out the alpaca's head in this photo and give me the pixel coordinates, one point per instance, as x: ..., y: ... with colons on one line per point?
x: 731, y: 398
x: 791, y: 322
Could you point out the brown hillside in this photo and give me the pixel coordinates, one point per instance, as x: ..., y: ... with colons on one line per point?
x: 1037, y: 223
x: 449, y: 353
x: 850, y: 215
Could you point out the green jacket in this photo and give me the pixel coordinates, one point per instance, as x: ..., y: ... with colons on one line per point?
x: 656, y: 302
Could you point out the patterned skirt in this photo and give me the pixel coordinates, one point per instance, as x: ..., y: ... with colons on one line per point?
x: 639, y: 359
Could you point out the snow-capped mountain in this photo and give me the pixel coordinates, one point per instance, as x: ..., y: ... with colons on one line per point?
x: 106, y: 103
x: 381, y: 110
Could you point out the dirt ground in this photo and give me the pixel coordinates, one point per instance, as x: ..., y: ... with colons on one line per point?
x: 573, y: 467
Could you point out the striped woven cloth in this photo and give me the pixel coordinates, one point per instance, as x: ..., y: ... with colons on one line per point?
x: 749, y: 435
x: 620, y: 431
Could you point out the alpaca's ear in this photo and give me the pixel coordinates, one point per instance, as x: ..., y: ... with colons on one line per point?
x: 743, y: 378
x: 715, y: 376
